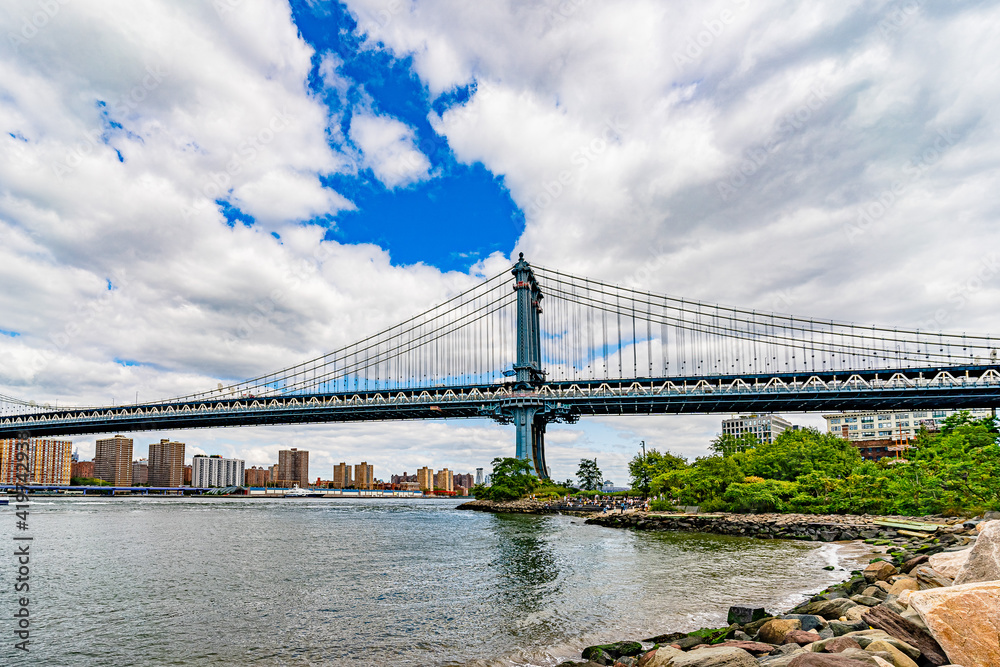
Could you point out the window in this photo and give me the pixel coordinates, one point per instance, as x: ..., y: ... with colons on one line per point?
x: 885, y: 433
x: 869, y: 434
x: 903, y: 424
x: 902, y: 415
x: 834, y: 421
x: 854, y: 428
x: 939, y: 413
x: 850, y: 420
x: 883, y: 417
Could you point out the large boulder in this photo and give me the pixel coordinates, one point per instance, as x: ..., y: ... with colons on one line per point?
x: 775, y: 630
x: 965, y: 621
x: 898, y: 658
x: 983, y: 563
x: 828, y: 660
x: 928, y: 577
x: 904, y: 584
x: 828, y: 609
x: 801, y: 637
x: 713, y: 656
x: 949, y: 563
x: 744, y: 614
x: 809, y: 621
x: 880, y: 570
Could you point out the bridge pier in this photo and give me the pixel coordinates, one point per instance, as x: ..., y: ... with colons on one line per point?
x: 530, y: 423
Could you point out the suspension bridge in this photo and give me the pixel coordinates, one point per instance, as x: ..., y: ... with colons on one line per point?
x: 536, y: 346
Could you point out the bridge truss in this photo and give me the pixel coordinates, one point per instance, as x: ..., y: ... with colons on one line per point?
x: 552, y: 347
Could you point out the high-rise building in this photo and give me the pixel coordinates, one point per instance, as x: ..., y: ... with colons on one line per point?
x: 166, y: 463
x: 889, y: 424
x: 464, y: 480
x: 425, y: 478
x: 479, y: 476
x: 364, y: 475
x: 216, y: 471
x: 113, y: 460
x: 765, y: 428
x: 444, y: 480
x: 293, y: 465
x: 342, y: 476
x: 140, y: 472
x: 272, y: 470
x: 48, y: 461
x: 256, y: 476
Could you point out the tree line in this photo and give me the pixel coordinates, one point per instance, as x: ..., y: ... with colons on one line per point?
x: 952, y: 471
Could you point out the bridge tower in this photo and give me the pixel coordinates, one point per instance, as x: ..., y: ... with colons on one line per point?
x: 528, y: 414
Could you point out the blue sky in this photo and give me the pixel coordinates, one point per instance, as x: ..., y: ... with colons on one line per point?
x: 461, y: 215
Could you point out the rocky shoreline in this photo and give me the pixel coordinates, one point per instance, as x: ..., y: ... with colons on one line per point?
x: 931, y: 599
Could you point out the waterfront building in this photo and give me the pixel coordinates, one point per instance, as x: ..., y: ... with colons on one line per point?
x: 399, y: 479
x: 765, y: 428
x: 216, y: 471
x: 464, y: 480
x: 166, y: 463
x: 342, y: 476
x: 272, y: 471
x: 256, y: 476
x: 364, y: 475
x: 82, y: 470
x: 425, y: 479
x: 49, y: 461
x: 140, y: 472
x: 899, y: 425
x: 444, y: 480
x: 293, y: 464
x: 479, y: 476
x: 113, y: 460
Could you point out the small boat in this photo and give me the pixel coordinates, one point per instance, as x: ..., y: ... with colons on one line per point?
x: 297, y: 492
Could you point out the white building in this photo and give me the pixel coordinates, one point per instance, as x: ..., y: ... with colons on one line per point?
x: 895, y: 424
x: 216, y: 471
x: 763, y: 427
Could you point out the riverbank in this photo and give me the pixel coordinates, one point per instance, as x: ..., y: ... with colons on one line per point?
x: 903, y: 610
x: 907, y: 610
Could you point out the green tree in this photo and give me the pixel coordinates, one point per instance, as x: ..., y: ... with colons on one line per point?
x: 590, y: 475
x: 643, y: 469
x: 728, y: 444
x: 512, y: 479
x: 795, y: 453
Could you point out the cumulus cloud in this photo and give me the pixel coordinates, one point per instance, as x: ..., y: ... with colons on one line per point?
x: 389, y: 149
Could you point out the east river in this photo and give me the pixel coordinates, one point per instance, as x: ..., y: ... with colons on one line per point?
x: 289, y: 582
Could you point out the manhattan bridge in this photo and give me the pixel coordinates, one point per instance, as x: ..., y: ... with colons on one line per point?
x: 536, y: 346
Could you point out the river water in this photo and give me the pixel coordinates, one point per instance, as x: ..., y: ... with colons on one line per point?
x: 142, y: 581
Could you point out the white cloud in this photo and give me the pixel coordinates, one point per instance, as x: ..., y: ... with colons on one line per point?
x: 389, y: 149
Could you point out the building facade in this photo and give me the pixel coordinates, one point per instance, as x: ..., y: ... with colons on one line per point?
x: 465, y: 481
x: 216, y: 471
x: 113, y: 460
x: 342, y: 476
x: 444, y: 480
x: 899, y: 425
x: 479, y: 476
x: 48, y: 461
x: 166, y: 463
x: 765, y: 428
x: 364, y: 475
x: 82, y: 470
x: 425, y: 479
x: 140, y: 472
x: 293, y: 465
x: 256, y: 476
